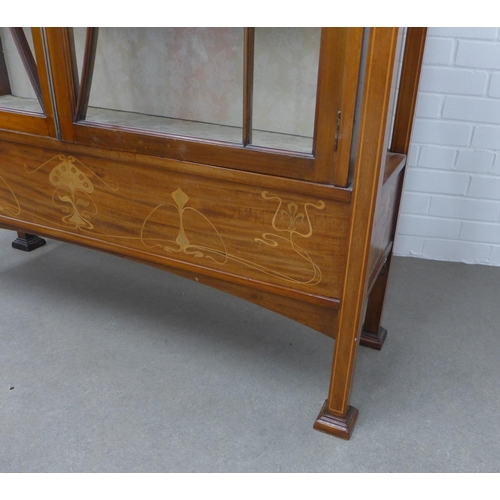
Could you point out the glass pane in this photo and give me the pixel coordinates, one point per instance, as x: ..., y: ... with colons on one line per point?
x: 16, y: 89
x: 182, y: 81
x: 284, y: 91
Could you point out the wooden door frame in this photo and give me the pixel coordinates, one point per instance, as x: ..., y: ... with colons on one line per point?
x: 340, y: 52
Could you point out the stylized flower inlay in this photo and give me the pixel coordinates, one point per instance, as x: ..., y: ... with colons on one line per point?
x: 73, y: 188
x: 292, y: 216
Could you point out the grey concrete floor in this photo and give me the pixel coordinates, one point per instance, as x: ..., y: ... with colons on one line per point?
x: 107, y: 365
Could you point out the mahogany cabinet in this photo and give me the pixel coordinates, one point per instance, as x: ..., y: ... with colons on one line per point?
x: 265, y: 162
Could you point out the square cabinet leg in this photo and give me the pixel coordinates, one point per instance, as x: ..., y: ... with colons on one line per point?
x: 373, y: 334
x: 374, y: 340
x: 341, y: 427
x: 27, y: 242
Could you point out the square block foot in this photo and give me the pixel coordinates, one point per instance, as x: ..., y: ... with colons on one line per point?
x: 336, y: 426
x: 28, y: 243
x: 373, y: 340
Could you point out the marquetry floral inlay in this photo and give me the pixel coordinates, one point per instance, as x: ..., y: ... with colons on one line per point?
x: 176, y: 226
x: 73, y: 188
x: 218, y: 250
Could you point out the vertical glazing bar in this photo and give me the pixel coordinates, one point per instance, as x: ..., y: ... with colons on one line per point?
x: 45, y: 76
x: 72, y: 56
x: 28, y: 61
x: 248, y: 60
x: 87, y: 73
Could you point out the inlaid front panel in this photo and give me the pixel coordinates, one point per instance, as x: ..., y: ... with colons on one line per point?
x: 243, y: 231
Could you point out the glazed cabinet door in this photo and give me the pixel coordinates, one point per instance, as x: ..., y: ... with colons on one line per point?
x: 25, y: 100
x: 278, y: 101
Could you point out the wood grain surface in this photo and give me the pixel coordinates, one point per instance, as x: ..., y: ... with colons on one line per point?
x: 243, y: 232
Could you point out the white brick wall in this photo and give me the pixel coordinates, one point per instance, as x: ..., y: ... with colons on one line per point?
x: 450, y: 208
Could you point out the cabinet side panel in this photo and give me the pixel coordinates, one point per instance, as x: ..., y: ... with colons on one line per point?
x: 386, y: 214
